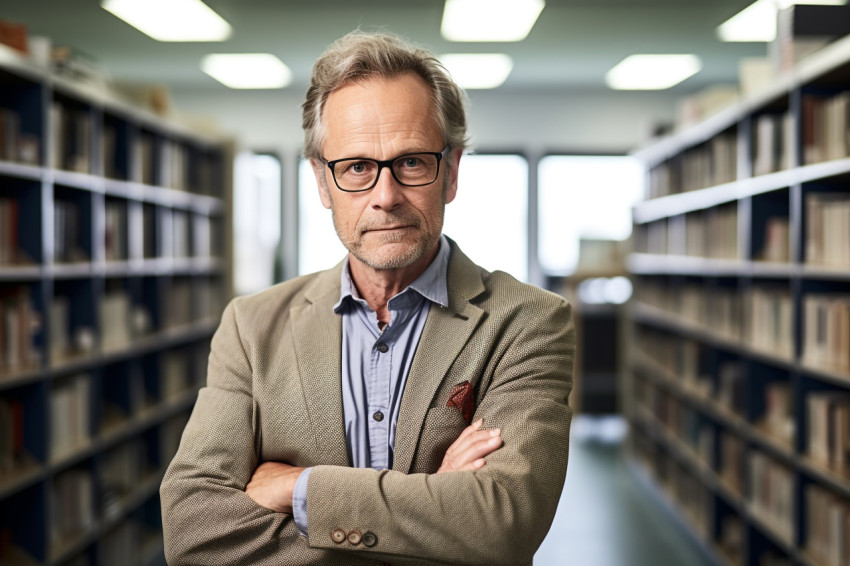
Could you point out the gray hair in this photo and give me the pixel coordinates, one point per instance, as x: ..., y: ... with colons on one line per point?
x: 360, y: 55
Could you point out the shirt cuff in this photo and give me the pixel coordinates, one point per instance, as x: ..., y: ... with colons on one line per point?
x: 299, y: 501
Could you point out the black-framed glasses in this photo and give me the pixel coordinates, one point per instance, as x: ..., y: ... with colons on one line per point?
x: 357, y: 174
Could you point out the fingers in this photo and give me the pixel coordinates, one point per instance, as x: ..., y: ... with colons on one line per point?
x: 470, y: 448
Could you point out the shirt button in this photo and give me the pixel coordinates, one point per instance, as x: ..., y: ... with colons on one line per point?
x: 382, y: 348
x: 354, y: 537
x: 378, y: 416
x: 338, y: 535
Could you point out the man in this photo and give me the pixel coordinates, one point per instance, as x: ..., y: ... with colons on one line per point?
x: 405, y: 407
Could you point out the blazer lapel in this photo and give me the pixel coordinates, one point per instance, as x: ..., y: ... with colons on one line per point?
x: 317, y: 333
x: 444, y: 336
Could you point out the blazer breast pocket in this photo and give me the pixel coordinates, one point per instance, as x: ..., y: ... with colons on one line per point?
x: 442, y: 427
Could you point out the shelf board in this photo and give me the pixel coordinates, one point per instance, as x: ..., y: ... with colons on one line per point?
x: 648, y: 314
x: 823, y: 61
x: 20, y: 273
x: 691, y: 201
x: 21, y: 170
x: 21, y: 477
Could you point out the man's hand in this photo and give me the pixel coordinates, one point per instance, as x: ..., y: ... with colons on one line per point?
x: 272, y: 485
x: 470, y: 448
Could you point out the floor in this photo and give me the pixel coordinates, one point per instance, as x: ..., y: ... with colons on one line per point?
x: 606, y: 517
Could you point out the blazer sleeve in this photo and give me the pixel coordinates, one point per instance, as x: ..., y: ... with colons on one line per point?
x: 207, y: 517
x: 497, y: 515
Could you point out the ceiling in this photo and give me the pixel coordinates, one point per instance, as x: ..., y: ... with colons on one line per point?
x: 571, y: 47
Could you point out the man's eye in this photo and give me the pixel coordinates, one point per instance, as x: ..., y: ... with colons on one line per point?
x: 357, y: 168
x: 411, y: 162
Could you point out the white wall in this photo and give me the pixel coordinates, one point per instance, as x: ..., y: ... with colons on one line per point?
x: 532, y: 122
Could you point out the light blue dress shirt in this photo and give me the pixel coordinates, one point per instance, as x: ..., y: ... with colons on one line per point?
x: 375, y: 365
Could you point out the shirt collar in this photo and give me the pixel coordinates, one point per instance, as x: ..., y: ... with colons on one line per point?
x: 431, y: 284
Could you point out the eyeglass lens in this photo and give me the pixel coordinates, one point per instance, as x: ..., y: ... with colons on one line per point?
x: 413, y: 170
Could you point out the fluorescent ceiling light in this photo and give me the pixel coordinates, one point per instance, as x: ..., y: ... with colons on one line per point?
x: 247, y: 70
x: 171, y: 20
x: 489, y: 20
x: 478, y: 70
x: 652, y: 72
x: 757, y: 22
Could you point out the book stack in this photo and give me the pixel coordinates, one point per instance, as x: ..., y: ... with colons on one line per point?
x: 770, y: 328
x: 732, y: 455
x: 174, y: 373
x: 16, y: 145
x: 777, y: 240
x: 828, y: 230
x: 19, y: 325
x: 66, y: 233
x: 11, y: 435
x: 143, y: 158
x: 771, y: 487
x: 72, y: 509
x: 70, y: 137
x: 778, y: 415
x: 722, y: 236
x: 70, y: 413
x: 773, y: 139
x: 115, y: 319
x: 725, y: 312
x: 181, y: 234
x: 115, y: 231
x: 731, y: 389
x: 826, y: 331
x: 829, y: 428
x: 120, y: 473
x: 828, y: 526
x: 825, y: 127
x: 9, y: 248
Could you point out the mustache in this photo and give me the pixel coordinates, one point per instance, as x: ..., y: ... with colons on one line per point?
x: 387, y: 220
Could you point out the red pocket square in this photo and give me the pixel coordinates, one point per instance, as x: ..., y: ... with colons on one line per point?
x: 461, y: 398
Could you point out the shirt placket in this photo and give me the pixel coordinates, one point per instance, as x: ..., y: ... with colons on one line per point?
x: 379, y: 401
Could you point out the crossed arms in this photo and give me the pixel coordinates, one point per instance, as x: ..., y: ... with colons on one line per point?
x: 222, y: 502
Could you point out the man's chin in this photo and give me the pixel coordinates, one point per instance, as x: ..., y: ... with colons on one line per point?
x: 392, y: 255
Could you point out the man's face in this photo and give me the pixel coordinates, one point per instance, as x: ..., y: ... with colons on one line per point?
x: 390, y: 226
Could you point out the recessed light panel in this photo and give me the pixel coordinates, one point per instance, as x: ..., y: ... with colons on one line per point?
x: 478, y: 70
x: 247, y: 70
x: 652, y: 72
x: 171, y: 20
x: 489, y: 20
x: 757, y: 22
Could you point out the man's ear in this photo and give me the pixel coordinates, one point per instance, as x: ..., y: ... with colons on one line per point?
x: 319, y: 169
x: 452, y: 168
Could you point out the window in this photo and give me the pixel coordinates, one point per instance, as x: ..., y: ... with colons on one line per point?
x: 583, y: 197
x: 489, y: 217
x: 256, y: 221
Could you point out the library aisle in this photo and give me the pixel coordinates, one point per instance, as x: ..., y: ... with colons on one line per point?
x: 606, y: 516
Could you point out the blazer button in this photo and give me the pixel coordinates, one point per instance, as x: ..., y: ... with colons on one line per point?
x: 338, y: 535
x: 354, y: 537
x: 369, y: 539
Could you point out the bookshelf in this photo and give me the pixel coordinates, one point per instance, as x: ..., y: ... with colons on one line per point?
x: 113, y: 273
x: 739, y: 366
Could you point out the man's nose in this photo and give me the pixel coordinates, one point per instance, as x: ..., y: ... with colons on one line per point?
x: 387, y: 193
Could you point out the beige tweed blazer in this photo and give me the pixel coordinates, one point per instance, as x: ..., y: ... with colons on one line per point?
x: 273, y: 393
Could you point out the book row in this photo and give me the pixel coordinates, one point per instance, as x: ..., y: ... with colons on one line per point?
x: 118, y: 317
x: 84, y: 497
x: 140, y: 156
x: 164, y: 233
x: 765, y: 486
x: 825, y: 123
x: 728, y: 391
x: 763, y: 316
